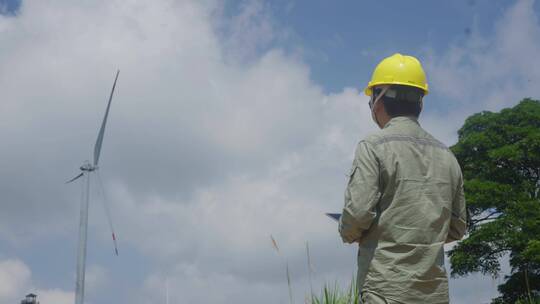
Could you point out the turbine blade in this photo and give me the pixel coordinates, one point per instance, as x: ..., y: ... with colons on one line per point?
x: 114, y: 242
x: 99, y: 141
x: 108, y: 213
x: 76, y: 177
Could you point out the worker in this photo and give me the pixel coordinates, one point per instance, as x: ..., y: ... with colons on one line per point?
x: 404, y: 198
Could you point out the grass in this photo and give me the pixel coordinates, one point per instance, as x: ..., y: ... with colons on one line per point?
x: 329, y: 294
x: 276, y: 247
x: 335, y: 295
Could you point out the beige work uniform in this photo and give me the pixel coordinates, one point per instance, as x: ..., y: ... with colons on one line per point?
x: 404, y: 200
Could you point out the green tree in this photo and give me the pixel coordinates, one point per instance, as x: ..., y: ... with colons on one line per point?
x: 500, y: 157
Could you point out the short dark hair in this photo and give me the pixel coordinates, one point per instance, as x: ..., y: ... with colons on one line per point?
x: 401, y: 100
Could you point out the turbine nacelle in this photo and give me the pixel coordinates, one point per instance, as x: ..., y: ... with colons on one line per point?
x: 88, y: 167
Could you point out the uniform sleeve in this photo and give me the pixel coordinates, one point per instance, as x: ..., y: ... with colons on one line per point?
x: 362, y: 194
x: 458, y: 221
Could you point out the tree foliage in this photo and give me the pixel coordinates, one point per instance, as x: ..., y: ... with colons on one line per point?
x: 500, y: 157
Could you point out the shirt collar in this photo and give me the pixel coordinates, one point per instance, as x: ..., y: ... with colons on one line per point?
x: 401, y: 120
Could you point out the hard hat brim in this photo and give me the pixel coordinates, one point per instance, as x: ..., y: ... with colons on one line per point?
x: 368, y: 89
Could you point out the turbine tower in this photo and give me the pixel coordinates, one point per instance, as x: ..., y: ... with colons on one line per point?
x: 86, y: 170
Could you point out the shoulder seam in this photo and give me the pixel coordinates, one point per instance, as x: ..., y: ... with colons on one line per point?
x: 416, y: 140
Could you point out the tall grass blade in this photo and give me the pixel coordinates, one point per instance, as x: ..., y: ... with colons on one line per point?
x: 274, y: 243
x: 289, y: 283
x: 335, y: 295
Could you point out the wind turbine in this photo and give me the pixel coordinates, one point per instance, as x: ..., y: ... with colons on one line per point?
x: 86, y: 169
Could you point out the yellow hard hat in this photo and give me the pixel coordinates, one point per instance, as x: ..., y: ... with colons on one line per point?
x: 398, y: 69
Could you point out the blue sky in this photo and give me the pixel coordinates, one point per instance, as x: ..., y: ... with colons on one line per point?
x: 232, y: 121
x: 10, y: 7
x: 348, y: 39
x: 342, y: 43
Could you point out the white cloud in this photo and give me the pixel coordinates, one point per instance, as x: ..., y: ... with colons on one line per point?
x: 16, y: 283
x: 245, y: 35
x: 204, y: 158
x: 55, y: 296
x: 14, y: 275
x: 96, y: 278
